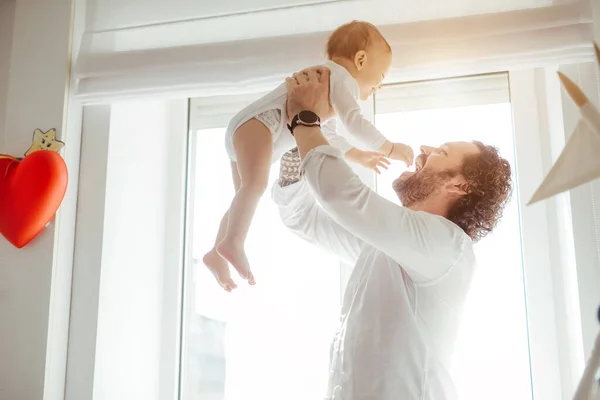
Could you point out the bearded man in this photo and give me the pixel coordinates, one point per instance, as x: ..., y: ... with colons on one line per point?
x: 413, y: 263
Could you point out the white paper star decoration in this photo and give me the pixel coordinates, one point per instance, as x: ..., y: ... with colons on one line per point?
x: 579, y: 162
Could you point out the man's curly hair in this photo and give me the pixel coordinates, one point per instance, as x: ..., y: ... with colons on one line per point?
x: 489, y: 188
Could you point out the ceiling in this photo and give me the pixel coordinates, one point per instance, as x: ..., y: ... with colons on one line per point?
x: 225, y: 20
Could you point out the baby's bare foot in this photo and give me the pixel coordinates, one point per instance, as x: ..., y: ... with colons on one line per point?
x: 220, y: 269
x: 237, y: 258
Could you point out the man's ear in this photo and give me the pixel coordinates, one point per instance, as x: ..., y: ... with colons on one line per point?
x: 458, y: 185
x: 360, y: 59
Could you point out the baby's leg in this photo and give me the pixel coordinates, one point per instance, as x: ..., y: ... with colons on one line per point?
x: 253, y: 144
x: 213, y: 261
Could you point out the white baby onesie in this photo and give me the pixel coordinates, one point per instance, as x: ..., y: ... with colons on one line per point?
x: 344, y: 93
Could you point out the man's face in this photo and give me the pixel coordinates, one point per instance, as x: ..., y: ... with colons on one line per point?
x: 437, y: 171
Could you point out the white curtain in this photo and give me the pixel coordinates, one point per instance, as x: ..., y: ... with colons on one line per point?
x: 422, y: 50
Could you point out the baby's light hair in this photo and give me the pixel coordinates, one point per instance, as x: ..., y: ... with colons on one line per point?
x: 350, y: 38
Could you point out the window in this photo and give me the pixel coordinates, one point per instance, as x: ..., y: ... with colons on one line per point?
x: 258, y: 342
x: 254, y: 343
x: 493, y: 339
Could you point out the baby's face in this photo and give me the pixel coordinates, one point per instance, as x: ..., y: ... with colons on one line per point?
x: 376, y: 67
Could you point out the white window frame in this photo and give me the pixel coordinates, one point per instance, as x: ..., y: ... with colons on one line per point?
x: 189, y: 261
x: 88, y: 254
x: 554, y: 332
x: 554, y: 338
x: 562, y: 276
x: 529, y: 119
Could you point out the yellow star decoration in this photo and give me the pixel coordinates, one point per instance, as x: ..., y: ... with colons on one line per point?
x: 45, y: 141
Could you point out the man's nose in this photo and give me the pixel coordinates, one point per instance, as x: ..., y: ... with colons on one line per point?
x: 427, y: 150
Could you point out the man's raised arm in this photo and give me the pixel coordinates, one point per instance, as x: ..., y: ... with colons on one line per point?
x: 301, y: 214
x: 408, y: 237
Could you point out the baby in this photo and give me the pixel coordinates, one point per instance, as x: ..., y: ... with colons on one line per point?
x: 359, y: 58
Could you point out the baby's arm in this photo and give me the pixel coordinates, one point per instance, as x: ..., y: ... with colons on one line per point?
x: 367, y: 159
x: 346, y: 107
x: 331, y: 134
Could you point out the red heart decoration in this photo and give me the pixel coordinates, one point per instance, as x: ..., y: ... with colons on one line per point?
x: 31, y: 191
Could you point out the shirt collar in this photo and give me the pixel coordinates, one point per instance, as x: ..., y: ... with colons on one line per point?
x: 333, y: 66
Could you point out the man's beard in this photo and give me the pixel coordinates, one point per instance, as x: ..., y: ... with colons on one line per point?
x: 421, y: 186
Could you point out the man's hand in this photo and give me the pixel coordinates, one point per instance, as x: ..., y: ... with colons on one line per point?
x: 368, y: 159
x: 308, y: 90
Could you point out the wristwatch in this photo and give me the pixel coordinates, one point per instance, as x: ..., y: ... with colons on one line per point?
x: 305, y: 118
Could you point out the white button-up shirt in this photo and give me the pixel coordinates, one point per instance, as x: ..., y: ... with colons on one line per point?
x: 403, y: 304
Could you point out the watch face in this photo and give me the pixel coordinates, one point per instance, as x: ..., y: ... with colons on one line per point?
x: 308, y: 117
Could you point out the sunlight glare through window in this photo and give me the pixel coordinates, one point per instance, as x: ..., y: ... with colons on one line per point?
x: 491, y: 359
x: 276, y: 335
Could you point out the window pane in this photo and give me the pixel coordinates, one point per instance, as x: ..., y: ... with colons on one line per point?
x: 491, y: 355
x: 257, y: 342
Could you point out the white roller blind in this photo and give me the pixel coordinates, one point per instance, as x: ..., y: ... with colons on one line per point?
x: 422, y: 50
x: 443, y: 93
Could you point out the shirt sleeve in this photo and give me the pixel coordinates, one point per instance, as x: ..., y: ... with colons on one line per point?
x: 426, y: 246
x: 343, y: 96
x: 301, y: 214
x: 336, y: 140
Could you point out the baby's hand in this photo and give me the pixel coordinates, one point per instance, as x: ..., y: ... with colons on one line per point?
x: 368, y: 159
x: 402, y: 152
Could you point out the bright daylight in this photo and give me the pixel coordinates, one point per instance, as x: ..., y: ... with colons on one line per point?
x: 299, y: 200
x: 265, y: 346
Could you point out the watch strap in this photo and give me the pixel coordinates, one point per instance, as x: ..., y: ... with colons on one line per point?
x: 297, y: 121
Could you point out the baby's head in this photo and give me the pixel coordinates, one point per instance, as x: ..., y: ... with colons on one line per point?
x: 360, y: 48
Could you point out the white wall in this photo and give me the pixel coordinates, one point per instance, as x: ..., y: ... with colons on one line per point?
x: 35, y: 280
x: 7, y: 16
